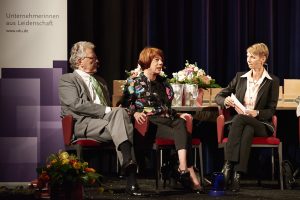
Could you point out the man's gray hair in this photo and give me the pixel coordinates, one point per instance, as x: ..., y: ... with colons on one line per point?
x: 78, y: 52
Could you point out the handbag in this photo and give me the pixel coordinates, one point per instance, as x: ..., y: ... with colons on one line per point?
x: 289, y: 174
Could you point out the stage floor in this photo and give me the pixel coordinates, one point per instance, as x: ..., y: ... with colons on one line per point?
x: 114, y: 189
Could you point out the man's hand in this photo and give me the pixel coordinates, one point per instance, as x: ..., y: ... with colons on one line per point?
x: 140, y: 117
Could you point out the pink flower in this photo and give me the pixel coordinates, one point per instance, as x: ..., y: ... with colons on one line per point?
x: 191, y: 74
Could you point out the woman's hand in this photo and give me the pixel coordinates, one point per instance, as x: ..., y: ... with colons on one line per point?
x: 238, y: 110
x: 252, y: 113
x: 228, y: 101
x: 182, y: 115
x: 140, y: 117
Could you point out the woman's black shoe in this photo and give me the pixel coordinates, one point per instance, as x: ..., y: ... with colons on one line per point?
x: 236, y: 182
x: 183, y: 177
x: 198, y: 189
x: 166, y: 173
x: 227, y: 170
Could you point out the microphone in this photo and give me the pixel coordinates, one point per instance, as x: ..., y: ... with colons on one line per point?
x: 266, y: 66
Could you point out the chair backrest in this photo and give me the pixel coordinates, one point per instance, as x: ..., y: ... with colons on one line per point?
x: 220, y: 128
x: 189, y: 123
x: 118, y: 87
x: 206, y: 96
x: 221, y: 122
x: 142, y: 128
x: 291, y: 89
x: 214, y: 92
x: 281, y: 96
x: 67, y: 125
x: 117, y: 91
x: 274, y: 120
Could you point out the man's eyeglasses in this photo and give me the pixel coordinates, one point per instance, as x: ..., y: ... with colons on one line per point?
x: 92, y: 58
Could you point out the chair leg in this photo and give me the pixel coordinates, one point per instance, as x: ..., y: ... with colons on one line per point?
x: 157, y: 167
x: 195, y: 157
x: 273, y: 164
x: 79, y: 151
x: 160, y: 162
x: 118, y: 164
x: 201, y: 164
x: 280, y: 165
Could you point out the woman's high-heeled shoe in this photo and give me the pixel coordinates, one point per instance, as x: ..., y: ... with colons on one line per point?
x: 183, y: 177
x: 166, y: 173
x: 198, y: 189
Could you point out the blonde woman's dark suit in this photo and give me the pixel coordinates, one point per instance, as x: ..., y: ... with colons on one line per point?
x: 244, y: 127
x: 90, y: 118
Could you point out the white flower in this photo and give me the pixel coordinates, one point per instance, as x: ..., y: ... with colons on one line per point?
x: 175, y: 74
x: 138, y: 70
x: 181, y: 76
x: 201, y: 72
x: 162, y: 73
x: 192, y: 74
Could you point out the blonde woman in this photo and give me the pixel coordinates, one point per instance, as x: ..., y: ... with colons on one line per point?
x: 257, y: 90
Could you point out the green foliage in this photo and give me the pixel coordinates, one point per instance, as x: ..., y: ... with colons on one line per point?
x: 62, y: 168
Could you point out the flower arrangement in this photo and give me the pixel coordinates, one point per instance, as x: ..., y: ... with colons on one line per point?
x: 62, y: 168
x: 191, y: 74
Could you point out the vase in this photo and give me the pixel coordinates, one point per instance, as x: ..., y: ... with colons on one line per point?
x: 66, y: 192
x: 190, y: 94
x: 178, y: 94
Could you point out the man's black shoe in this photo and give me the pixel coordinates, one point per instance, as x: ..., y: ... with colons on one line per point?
x: 129, y: 166
x: 133, y: 190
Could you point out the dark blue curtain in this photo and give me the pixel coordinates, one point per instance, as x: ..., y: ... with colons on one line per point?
x: 213, y: 33
x: 216, y: 34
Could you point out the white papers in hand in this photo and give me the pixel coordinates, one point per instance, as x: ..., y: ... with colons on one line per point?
x: 237, y: 103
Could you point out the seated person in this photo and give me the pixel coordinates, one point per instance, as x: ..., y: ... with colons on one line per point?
x: 85, y: 96
x: 258, y: 91
x: 149, y: 94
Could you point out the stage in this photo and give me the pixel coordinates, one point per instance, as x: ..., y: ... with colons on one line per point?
x: 114, y: 189
x: 249, y: 190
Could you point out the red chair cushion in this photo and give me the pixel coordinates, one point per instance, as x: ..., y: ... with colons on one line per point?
x: 266, y: 140
x: 261, y: 140
x: 163, y: 141
x: 196, y: 141
x: 87, y: 142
